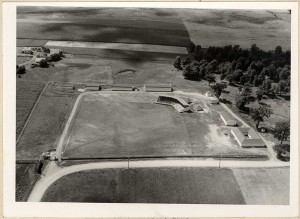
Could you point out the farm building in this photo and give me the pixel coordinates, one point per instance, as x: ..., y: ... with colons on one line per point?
x: 172, y: 99
x: 208, y: 94
x: 196, y: 107
x: 158, y: 88
x: 27, y: 50
x: 228, y: 120
x: 55, y: 51
x: 92, y: 87
x: 247, y: 137
x: 37, y: 60
x: 123, y: 87
x: 214, y: 101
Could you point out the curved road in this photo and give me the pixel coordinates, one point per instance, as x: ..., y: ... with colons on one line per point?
x: 53, y: 172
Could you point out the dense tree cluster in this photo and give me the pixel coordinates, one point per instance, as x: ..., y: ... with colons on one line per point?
x: 268, y: 70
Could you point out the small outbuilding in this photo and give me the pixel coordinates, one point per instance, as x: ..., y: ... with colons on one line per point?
x: 208, y: 94
x: 214, y: 101
x: 55, y: 51
x: 228, y: 119
x: 27, y: 50
x: 37, y: 60
x: 123, y: 87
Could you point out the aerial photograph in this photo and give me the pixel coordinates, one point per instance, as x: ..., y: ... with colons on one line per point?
x: 153, y: 105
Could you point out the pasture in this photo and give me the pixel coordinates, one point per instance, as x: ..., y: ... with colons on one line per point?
x: 238, y: 27
x: 148, y: 185
x: 108, y: 124
x: 264, y: 186
x: 42, y: 131
x: 27, y: 94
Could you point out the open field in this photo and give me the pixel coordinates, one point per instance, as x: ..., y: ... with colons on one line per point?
x: 30, y: 42
x: 42, y: 131
x: 148, y: 185
x: 238, y: 27
x: 22, y: 59
x: 264, y: 186
x: 27, y: 94
x: 25, y: 180
x: 115, y: 54
x: 104, y: 25
x: 73, y: 70
x: 116, y: 125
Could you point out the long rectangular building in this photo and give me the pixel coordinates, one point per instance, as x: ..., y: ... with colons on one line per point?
x: 247, y: 137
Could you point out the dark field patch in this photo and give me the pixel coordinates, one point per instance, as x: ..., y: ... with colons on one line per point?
x: 25, y: 180
x: 122, y: 31
x: 27, y: 94
x: 149, y: 185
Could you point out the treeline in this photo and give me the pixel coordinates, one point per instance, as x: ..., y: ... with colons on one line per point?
x: 256, y: 67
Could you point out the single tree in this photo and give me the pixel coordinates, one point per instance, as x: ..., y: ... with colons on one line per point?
x: 177, y: 63
x: 191, y: 72
x: 43, y: 63
x: 282, y: 131
x: 246, y: 91
x: 259, y: 95
x: 55, y: 57
x: 186, y: 61
x: 241, y: 101
x: 258, y: 114
x: 192, y: 47
x: 21, y: 70
x: 218, y: 89
x: 210, y: 78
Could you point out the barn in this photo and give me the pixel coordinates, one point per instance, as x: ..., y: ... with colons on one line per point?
x: 158, y: 88
x: 123, y: 87
x: 247, y: 137
x: 228, y: 119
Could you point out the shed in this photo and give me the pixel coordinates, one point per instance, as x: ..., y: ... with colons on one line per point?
x: 208, y: 94
x: 37, y: 60
x: 214, y: 101
x: 123, y: 87
x: 55, y: 51
x: 228, y: 119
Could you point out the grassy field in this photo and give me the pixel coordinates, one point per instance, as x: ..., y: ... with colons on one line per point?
x: 30, y: 42
x: 22, y: 59
x: 138, y: 56
x: 114, y: 125
x: 98, y: 25
x: 238, y: 27
x: 42, y: 131
x: 27, y: 94
x: 264, y: 186
x: 148, y: 185
x: 25, y: 180
x: 74, y: 69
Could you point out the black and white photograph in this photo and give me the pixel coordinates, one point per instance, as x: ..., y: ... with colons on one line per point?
x: 153, y: 105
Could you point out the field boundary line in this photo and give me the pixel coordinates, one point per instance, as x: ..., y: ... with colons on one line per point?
x: 31, y: 112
